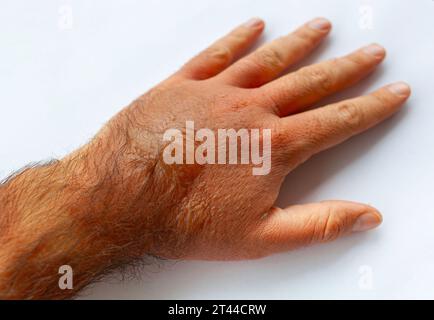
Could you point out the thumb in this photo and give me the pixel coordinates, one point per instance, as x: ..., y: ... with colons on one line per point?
x: 300, y: 225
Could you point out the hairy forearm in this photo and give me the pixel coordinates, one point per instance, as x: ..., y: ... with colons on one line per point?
x: 68, y: 212
x: 46, y: 222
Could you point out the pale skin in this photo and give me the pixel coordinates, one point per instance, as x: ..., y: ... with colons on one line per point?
x: 114, y: 200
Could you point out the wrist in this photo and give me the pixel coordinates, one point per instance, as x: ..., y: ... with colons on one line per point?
x: 62, y: 214
x: 35, y: 232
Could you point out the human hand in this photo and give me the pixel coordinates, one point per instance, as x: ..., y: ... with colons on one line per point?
x: 118, y: 198
x: 213, y: 211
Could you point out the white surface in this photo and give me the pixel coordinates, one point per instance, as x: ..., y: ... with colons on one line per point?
x: 60, y: 82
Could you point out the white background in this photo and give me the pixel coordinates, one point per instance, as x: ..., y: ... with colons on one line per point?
x: 67, y: 66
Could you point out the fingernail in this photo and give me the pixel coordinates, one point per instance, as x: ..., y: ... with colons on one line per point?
x: 254, y: 22
x: 366, y: 222
x: 375, y: 50
x: 320, y: 24
x: 400, y: 89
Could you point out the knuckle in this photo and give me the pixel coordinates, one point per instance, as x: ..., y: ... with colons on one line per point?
x: 219, y: 53
x: 269, y: 59
x: 330, y: 225
x: 324, y: 79
x: 350, y: 115
x: 306, y: 38
x: 356, y: 59
x: 270, y: 101
x: 319, y: 79
x: 239, y: 36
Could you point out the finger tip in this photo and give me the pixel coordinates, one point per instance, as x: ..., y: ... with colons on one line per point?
x: 320, y: 24
x: 254, y: 23
x: 375, y: 50
x: 378, y: 215
x: 367, y: 221
x: 400, y: 89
